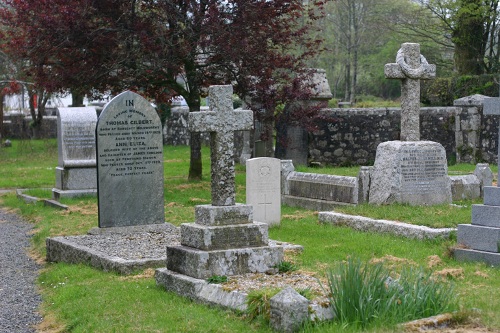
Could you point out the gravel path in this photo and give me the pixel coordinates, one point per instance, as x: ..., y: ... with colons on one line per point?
x: 19, y: 300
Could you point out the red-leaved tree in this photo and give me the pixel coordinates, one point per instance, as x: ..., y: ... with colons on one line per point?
x: 163, y: 48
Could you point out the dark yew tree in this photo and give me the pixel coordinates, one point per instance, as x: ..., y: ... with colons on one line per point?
x: 164, y: 48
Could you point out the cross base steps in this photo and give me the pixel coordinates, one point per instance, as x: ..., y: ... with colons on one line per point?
x: 489, y: 258
x: 204, y: 264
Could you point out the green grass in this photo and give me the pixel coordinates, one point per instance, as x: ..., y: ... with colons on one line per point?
x: 81, y: 299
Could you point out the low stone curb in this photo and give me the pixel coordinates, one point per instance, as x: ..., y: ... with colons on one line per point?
x: 63, y: 249
x: 47, y: 202
x: 213, y: 294
x: 384, y: 226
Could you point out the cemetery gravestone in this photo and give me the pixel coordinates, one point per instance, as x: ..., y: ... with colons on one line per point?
x: 129, y: 163
x: 76, y: 169
x: 263, y: 189
x: 481, y: 238
x: 410, y: 171
x: 224, y: 240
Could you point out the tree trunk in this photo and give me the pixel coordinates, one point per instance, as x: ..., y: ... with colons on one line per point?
x: 468, y: 38
x: 76, y: 99
x: 2, y: 96
x: 195, y: 164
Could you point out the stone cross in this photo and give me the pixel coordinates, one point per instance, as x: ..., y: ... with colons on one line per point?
x: 221, y: 122
x: 491, y: 107
x: 410, y: 67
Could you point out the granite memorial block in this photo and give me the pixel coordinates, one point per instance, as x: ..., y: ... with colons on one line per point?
x: 263, y: 189
x: 76, y: 169
x: 410, y: 172
x: 480, y: 240
x: 129, y: 163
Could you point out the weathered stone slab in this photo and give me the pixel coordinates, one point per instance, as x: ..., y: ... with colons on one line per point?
x: 413, y: 172
x: 63, y: 249
x: 478, y: 237
x: 210, y: 238
x: 486, y: 216
x: 489, y: 258
x: 223, y: 215
x: 289, y: 310
x: 263, y: 189
x: 202, y: 264
x: 323, y: 187
x: 129, y: 163
x: 200, y: 290
x: 362, y: 223
x: 465, y: 187
x: 491, y: 195
x: 76, y: 178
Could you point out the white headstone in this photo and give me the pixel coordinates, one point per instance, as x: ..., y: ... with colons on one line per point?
x: 263, y: 186
x: 129, y: 163
x: 76, y: 169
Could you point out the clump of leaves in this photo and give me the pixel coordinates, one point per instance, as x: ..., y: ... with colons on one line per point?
x: 258, y: 303
x: 217, y: 279
x: 285, y: 266
x: 365, y: 294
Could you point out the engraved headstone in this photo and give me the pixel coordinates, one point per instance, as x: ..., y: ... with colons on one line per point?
x: 224, y: 240
x: 410, y: 171
x: 263, y: 189
x: 76, y: 168
x: 129, y: 163
x: 410, y: 67
x: 480, y: 240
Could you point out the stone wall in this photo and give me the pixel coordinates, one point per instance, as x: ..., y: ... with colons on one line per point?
x: 17, y: 126
x: 351, y: 136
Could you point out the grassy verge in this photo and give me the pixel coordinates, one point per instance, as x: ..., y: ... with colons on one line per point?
x: 81, y: 299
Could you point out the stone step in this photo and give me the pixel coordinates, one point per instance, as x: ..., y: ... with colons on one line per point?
x: 486, y: 216
x: 491, y: 195
x: 209, y: 238
x: 204, y: 264
x: 489, y: 258
x: 478, y: 237
x: 223, y: 215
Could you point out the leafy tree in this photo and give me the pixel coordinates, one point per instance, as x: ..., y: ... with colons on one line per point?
x: 473, y: 28
x: 164, y: 48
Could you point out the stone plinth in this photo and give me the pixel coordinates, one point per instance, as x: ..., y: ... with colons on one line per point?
x: 413, y: 172
x: 223, y: 241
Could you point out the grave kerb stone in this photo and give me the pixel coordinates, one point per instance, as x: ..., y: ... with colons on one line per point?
x: 129, y: 163
x: 222, y: 121
x: 410, y: 67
